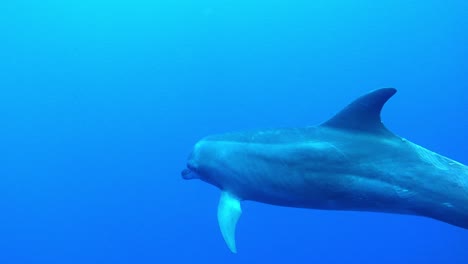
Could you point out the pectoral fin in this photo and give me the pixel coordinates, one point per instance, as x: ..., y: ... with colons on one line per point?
x: 229, y: 211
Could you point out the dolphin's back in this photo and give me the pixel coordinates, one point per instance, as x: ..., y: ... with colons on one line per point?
x: 270, y: 136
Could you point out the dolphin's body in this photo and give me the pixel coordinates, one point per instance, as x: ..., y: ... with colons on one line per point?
x: 350, y: 162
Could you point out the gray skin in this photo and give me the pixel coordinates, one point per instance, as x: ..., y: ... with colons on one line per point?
x: 350, y: 162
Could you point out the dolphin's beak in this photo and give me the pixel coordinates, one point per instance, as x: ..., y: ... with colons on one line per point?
x: 190, y: 172
x: 192, y: 168
x: 187, y: 174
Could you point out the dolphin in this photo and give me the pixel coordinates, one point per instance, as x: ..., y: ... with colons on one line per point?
x: 350, y: 162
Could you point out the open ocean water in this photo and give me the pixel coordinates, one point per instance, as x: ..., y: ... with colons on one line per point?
x: 101, y: 102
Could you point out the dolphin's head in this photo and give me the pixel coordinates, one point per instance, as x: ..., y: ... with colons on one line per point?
x: 206, y: 162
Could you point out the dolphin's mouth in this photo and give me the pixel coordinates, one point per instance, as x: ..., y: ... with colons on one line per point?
x: 190, y: 172
x: 187, y: 174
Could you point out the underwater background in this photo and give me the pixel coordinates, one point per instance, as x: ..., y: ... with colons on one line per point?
x: 102, y: 101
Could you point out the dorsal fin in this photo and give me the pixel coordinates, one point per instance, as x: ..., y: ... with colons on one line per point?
x: 363, y: 114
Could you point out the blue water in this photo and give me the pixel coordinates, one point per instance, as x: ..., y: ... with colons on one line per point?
x: 101, y: 102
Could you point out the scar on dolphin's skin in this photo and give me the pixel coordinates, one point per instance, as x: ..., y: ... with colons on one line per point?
x: 350, y: 162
